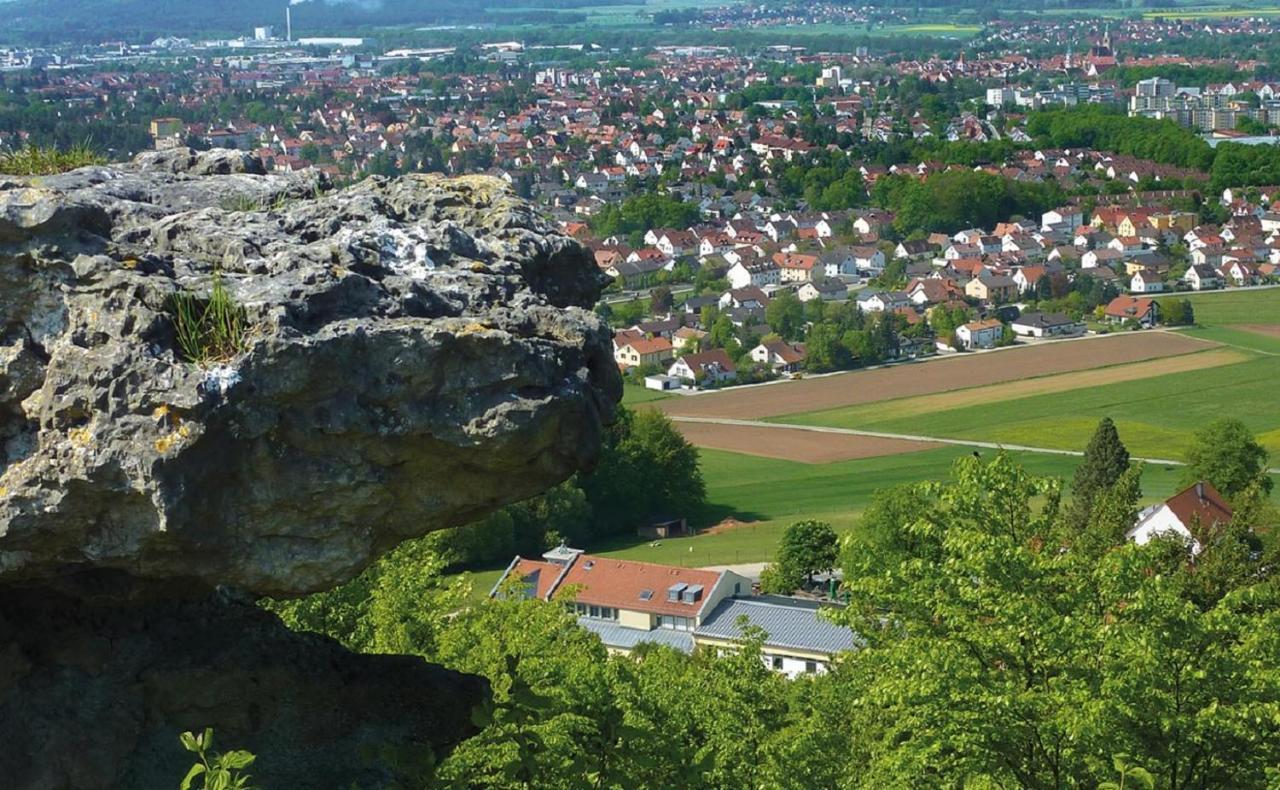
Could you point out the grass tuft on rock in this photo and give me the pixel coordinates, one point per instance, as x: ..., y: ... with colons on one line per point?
x: 36, y: 161
x: 209, y: 331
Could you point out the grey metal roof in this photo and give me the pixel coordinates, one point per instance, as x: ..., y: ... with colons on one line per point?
x: 789, y: 622
x: 622, y: 638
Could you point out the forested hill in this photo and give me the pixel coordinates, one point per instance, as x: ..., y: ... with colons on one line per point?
x: 41, y: 21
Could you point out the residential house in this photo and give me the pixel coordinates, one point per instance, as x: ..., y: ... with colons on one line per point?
x: 1145, y: 282
x: 877, y: 301
x: 980, y: 334
x: 1103, y: 256
x: 1142, y: 309
x: 836, y: 262
x: 868, y: 260
x: 1202, y: 277
x: 1185, y: 515
x: 991, y: 288
x: 705, y: 367
x: 827, y: 290
x: 779, y: 356
x: 920, y: 250
x: 639, y: 351
x: 1037, y: 324
x: 796, y: 267
x: 759, y: 274
x: 749, y: 297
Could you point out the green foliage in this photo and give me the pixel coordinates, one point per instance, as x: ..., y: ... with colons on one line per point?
x: 397, y: 605
x: 778, y: 578
x: 1226, y: 454
x: 1105, y: 460
x: 209, y: 330
x: 1130, y: 776
x: 644, y: 212
x: 647, y: 469
x: 785, y: 316
x: 1161, y: 141
x: 1177, y: 312
x: 956, y: 199
x: 216, y: 771
x: 35, y: 161
x: 1010, y: 659
x: 808, y: 547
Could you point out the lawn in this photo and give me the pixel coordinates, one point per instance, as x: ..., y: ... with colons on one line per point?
x: 1156, y: 417
x: 1214, y: 308
x: 635, y: 393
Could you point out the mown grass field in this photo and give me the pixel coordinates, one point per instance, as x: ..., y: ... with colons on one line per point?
x: 769, y: 494
x: 1216, y: 308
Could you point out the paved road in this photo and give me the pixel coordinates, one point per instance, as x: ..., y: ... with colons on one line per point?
x: 915, y: 438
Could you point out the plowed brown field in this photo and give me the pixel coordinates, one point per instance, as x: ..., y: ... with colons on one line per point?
x: 933, y: 376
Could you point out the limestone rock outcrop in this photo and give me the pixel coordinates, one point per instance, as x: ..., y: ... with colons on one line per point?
x: 412, y: 354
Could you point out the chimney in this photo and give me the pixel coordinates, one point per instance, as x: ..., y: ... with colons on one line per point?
x: 1200, y: 490
x: 288, y: 23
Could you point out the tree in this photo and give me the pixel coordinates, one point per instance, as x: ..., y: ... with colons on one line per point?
x: 1105, y: 459
x: 808, y: 547
x: 993, y: 650
x: 660, y: 300
x: 1226, y: 454
x: 785, y: 315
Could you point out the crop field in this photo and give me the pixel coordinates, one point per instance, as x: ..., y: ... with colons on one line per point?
x: 790, y: 444
x: 933, y: 376
x: 1157, y: 416
x: 1212, y: 12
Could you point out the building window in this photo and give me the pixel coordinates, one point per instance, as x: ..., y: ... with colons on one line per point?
x: 810, y: 667
x: 777, y: 663
x: 675, y: 623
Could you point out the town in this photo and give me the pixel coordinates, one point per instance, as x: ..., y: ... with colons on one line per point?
x: 672, y: 393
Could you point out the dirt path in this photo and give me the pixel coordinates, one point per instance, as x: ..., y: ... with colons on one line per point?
x: 794, y: 444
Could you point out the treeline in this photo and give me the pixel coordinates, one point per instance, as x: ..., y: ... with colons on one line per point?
x: 644, y: 212
x: 1162, y: 141
x: 1007, y: 638
x: 958, y: 199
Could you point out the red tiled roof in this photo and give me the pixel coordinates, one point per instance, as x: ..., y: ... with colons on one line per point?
x: 544, y: 574
x: 619, y: 583
x: 1201, y: 502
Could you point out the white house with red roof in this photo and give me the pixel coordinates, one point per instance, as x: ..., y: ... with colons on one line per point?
x: 1184, y: 515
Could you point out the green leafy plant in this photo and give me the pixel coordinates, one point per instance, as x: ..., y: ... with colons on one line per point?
x: 212, y: 330
x: 219, y: 771
x: 241, y: 203
x: 1131, y: 776
x: 36, y: 161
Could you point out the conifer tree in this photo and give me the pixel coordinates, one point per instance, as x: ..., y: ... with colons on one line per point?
x: 1105, y: 460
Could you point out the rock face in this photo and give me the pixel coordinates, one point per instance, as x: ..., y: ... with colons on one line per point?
x: 414, y: 353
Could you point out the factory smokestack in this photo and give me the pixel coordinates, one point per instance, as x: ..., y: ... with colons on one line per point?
x: 288, y: 23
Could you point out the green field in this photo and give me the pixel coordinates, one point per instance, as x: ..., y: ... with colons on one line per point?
x: 1156, y: 417
x: 1211, y: 12
x: 1236, y: 307
x: 768, y: 495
